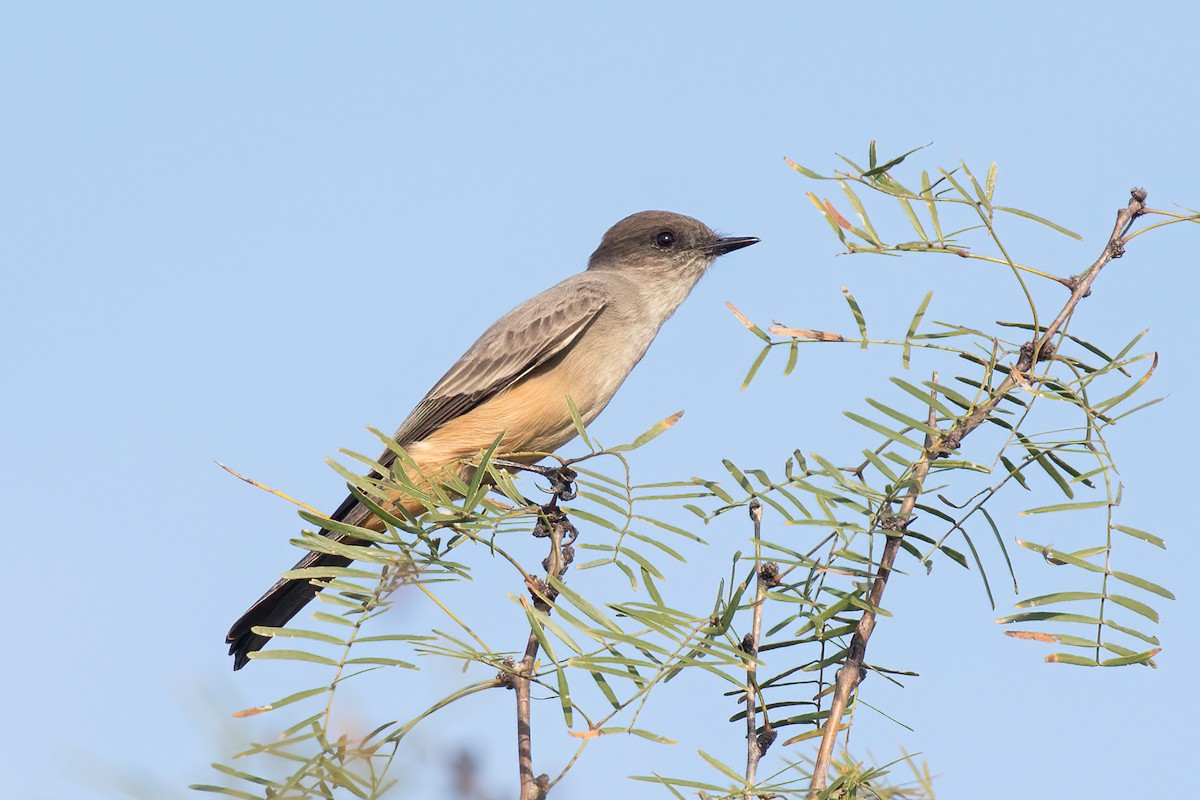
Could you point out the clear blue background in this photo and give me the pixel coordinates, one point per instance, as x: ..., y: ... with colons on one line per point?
x: 244, y: 231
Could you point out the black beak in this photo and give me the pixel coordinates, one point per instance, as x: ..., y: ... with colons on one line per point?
x: 730, y: 243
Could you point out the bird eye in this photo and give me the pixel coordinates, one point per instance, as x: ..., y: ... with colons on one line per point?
x: 664, y: 239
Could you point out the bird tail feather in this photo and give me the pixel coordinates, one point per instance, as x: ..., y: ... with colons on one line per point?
x: 285, y: 599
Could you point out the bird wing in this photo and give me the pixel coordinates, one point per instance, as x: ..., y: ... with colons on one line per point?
x: 517, y: 344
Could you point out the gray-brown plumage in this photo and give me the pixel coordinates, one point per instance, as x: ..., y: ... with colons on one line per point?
x: 581, y: 338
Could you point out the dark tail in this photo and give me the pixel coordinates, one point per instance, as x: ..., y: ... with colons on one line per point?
x: 273, y: 610
x: 285, y: 599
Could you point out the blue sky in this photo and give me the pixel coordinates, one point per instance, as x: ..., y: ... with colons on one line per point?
x: 211, y: 211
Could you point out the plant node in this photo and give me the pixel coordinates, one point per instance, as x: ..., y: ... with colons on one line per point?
x: 950, y: 441
x: 553, y: 520
x: 1029, y: 349
x: 766, y: 737
x: 507, y: 677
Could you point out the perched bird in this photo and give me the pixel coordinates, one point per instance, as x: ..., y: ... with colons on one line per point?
x: 580, y: 338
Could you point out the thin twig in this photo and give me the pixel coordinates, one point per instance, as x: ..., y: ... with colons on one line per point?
x: 530, y: 788
x: 756, y: 746
x: 851, y: 672
x: 275, y: 492
x: 553, y: 521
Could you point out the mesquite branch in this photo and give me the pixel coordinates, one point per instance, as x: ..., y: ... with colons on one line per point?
x: 553, y: 524
x: 766, y: 575
x: 944, y: 442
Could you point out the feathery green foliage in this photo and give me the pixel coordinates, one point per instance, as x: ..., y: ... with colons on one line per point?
x: 784, y: 618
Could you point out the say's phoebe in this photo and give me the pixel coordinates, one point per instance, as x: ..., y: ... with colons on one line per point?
x: 579, y: 338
